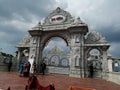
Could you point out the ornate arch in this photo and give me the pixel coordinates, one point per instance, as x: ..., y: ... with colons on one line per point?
x: 90, y: 48
x: 49, y: 36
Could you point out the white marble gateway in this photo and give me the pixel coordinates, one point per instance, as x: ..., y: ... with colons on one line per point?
x: 60, y: 23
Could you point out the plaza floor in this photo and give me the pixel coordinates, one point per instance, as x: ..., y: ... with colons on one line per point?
x: 61, y: 82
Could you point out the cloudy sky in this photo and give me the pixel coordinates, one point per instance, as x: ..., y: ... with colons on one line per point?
x: 18, y: 16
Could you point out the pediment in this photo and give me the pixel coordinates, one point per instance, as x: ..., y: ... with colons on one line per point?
x: 58, y: 16
x: 59, y: 19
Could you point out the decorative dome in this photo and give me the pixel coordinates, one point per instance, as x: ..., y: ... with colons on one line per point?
x: 95, y: 37
x: 26, y: 39
x: 25, y: 42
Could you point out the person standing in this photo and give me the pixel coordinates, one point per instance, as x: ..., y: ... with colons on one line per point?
x: 28, y: 68
x: 34, y: 68
x: 91, y: 70
x: 10, y: 65
x: 25, y: 70
x: 21, y: 69
x: 43, y: 67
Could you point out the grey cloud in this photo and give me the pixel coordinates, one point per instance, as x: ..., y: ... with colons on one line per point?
x: 104, y: 18
x: 111, y: 34
x: 114, y: 49
x: 23, y: 11
x: 24, y: 8
x: 11, y: 35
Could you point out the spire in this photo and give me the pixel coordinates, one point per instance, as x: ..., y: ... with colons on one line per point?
x: 38, y: 27
x: 79, y: 21
x: 58, y: 9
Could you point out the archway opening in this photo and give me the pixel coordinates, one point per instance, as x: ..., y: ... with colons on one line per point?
x: 95, y: 60
x: 56, y: 55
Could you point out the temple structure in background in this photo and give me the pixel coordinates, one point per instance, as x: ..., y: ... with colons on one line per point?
x: 86, y: 48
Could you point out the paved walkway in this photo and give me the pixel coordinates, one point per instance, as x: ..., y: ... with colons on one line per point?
x: 62, y: 82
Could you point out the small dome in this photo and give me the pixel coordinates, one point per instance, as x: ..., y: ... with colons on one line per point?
x: 26, y: 39
x: 95, y: 37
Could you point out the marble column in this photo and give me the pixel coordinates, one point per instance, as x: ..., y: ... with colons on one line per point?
x: 110, y: 65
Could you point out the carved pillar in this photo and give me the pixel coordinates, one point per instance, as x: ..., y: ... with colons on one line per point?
x: 105, y: 62
x: 86, y: 61
x: 72, y: 52
x: 82, y: 56
x: 33, y: 52
x: 76, y: 55
x: 39, y: 54
x: 110, y: 65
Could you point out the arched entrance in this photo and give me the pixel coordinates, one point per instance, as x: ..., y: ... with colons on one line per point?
x: 95, y: 60
x: 61, y: 24
x: 56, y: 56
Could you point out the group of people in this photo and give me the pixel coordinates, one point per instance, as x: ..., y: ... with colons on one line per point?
x: 42, y: 66
x: 24, y: 68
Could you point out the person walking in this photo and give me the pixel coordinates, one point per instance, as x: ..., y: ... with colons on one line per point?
x: 43, y: 67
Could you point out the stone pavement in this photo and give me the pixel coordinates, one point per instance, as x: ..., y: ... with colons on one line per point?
x: 61, y: 82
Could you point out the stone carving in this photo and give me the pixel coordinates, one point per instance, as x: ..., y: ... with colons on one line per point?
x: 55, y: 60
x: 95, y: 37
x: 64, y: 62
x: 58, y: 16
x: 76, y: 50
x: 77, y: 60
x: 26, y: 39
x: 79, y: 21
x: 34, y: 40
x: 77, y: 39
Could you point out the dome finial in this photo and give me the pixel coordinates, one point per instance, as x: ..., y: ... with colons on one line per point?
x: 79, y: 21
x: 58, y: 9
x: 39, y: 23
